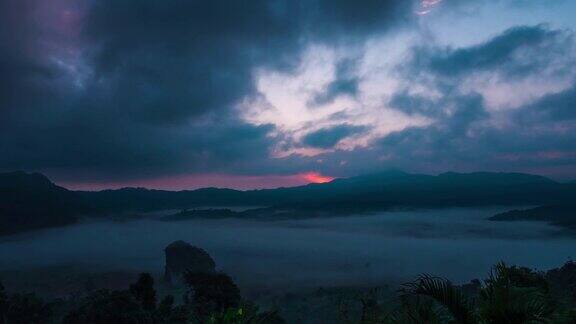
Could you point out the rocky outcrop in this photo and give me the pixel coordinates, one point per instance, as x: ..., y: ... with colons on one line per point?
x: 182, y: 257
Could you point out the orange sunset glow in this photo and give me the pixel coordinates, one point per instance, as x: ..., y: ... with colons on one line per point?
x: 316, y: 177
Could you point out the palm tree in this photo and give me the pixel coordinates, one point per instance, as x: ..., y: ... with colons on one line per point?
x: 450, y: 299
x: 501, y: 299
x: 417, y: 311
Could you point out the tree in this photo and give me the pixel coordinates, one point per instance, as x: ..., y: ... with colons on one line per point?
x: 168, y: 312
x: 3, y: 304
x: 445, y: 294
x: 245, y: 314
x: 211, y: 293
x: 510, y: 295
x: 525, y: 277
x: 27, y: 309
x: 143, y: 291
x: 109, y: 307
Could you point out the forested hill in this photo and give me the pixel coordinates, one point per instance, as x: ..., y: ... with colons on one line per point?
x: 29, y: 201
x: 380, y: 190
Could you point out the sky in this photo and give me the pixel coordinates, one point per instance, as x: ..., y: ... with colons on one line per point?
x: 181, y: 94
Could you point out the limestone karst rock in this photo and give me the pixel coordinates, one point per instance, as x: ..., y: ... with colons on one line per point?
x: 182, y: 257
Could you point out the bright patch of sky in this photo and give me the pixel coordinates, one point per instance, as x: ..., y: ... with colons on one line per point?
x: 287, y: 99
x: 469, y: 24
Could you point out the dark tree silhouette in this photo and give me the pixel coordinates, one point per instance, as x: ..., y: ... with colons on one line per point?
x: 109, y: 307
x: 510, y: 295
x: 3, y: 304
x: 27, y: 309
x: 169, y: 312
x: 211, y: 293
x: 527, y: 278
x: 143, y: 291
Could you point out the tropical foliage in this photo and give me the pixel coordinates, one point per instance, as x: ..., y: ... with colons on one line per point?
x: 509, y: 295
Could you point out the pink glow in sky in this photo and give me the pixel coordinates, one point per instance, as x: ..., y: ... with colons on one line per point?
x: 315, y: 177
x: 196, y: 181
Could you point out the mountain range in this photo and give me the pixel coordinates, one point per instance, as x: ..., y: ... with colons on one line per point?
x: 380, y: 190
x: 30, y: 200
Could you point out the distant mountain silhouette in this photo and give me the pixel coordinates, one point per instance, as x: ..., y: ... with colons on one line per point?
x: 374, y: 191
x: 30, y: 201
x: 560, y: 215
x: 140, y: 199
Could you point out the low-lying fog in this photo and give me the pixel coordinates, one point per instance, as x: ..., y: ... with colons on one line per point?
x: 365, y: 249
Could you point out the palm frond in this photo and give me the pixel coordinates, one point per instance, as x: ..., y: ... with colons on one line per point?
x: 500, y: 301
x: 416, y: 312
x: 444, y: 293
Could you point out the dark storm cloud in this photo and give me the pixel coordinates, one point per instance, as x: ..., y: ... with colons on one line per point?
x: 169, y: 60
x: 414, y: 104
x: 454, y: 110
x: 127, y: 88
x: 111, y: 90
x: 25, y: 76
x: 345, y: 83
x: 554, y: 107
x: 450, y: 134
x: 517, y: 52
x: 467, y: 141
x: 328, y: 137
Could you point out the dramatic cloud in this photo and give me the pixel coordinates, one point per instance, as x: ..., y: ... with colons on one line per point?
x: 141, y: 88
x: 107, y: 91
x: 556, y: 107
x: 327, y: 138
x: 507, y: 53
x: 524, y: 126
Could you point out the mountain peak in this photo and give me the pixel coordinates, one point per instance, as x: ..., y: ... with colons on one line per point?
x: 19, y: 179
